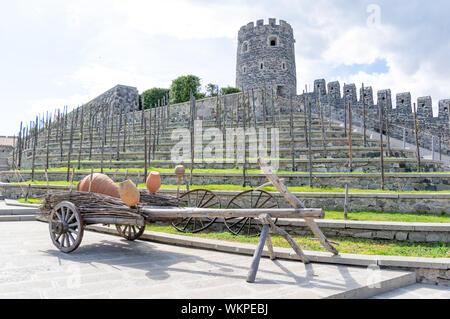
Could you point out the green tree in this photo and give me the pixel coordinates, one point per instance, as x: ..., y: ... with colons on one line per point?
x: 212, y: 89
x: 181, y: 89
x: 229, y: 90
x: 152, y: 96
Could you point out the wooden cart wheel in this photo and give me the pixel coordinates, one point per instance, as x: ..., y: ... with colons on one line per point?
x: 66, y: 227
x: 130, y: 232
x: 198, y: 198
x: 249, y: 199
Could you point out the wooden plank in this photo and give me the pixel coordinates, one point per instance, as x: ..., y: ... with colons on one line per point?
x: 183, y: 212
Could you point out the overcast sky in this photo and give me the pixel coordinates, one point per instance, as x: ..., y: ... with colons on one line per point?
x: 56, y: 53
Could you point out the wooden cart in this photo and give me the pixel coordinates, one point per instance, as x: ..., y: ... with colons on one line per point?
x: 68, y: 213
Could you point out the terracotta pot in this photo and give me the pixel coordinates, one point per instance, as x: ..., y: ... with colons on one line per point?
x: 129, y: 193
x: 180, y: 171
x: 101, y: 184
x: 153, y: 182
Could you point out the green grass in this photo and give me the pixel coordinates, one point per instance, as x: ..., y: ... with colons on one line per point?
x: 346, y: 244
x: 389, y: 216
x: 30, y: 200
x: 217, y: 171
x: 296, y: 189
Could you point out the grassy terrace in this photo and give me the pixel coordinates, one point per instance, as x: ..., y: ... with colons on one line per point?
x: 216, y: 171
x: 297, y: 189
x: 346, y: 245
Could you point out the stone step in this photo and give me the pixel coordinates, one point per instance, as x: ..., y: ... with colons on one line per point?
x: 417, y: 291
x: 17, y: 218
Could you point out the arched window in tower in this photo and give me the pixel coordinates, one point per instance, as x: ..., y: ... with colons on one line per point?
x: 261, y: 65
x: 283, y: 65
x: 245, y: 47
x: 273, y: 41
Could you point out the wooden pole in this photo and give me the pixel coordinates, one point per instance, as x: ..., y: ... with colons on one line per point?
x: 91, y: 127
x: 191, y: 125
x: 111, y: 115
x: 310, y: 145
x: 154, y: 131
x: 104, y: 120
x: 49, y: 129
x: 61, y: 136
x: 350, y: 142
x: 257, y: 255
x: 119, y: 128
x: 125, y: 127
x: 20, y: 142
x: 253, y: 109
x: 305, y: 93
x: 296, y: 203
x: 244, y: 119
x: 345, y: 112
x: 387, y: 127
x: 364, y: 116
x: 34, y: 147
x: 291, y: 123
x: 81, y: 136
x: 416, y: 132
x: 324, y: 135
x: 346, y: 202
x: 69, y: 153
x: 380, y: 115
x: 145, y: 149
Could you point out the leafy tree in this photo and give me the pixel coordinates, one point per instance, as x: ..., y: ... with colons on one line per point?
x: 181, y: 89
x: 212, y: 89
x: 152, y: 96
x: 229, y: 90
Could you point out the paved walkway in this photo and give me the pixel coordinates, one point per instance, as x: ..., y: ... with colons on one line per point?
x: 107, y: 266
x: 417, y: 291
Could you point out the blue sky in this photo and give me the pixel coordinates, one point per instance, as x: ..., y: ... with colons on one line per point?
x: 56, y: 53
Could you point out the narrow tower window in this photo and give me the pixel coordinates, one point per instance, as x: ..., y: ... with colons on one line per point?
x: 273, y: 41
x: 261, y: 66
x: 245, y: 47
x: 283, y: 65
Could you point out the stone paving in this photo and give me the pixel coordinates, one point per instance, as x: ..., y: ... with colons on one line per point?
x: 106, y: 266
x: 417, y: 291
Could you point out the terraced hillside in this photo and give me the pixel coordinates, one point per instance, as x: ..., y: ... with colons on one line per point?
x: 308, y: 150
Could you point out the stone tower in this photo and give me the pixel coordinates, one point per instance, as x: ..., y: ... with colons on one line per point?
x: 266, y: 57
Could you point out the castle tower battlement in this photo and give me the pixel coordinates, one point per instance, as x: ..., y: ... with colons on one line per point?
x: 266, y: 57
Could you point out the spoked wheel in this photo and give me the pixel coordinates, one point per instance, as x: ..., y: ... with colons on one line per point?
x: 247, y: 226
x: 130, y: 232
x: 66, y: 227
x: 198, y: 198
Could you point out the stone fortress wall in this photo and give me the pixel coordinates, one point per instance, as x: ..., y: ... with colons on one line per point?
x: 120, y: 98
x: 400, y: 118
